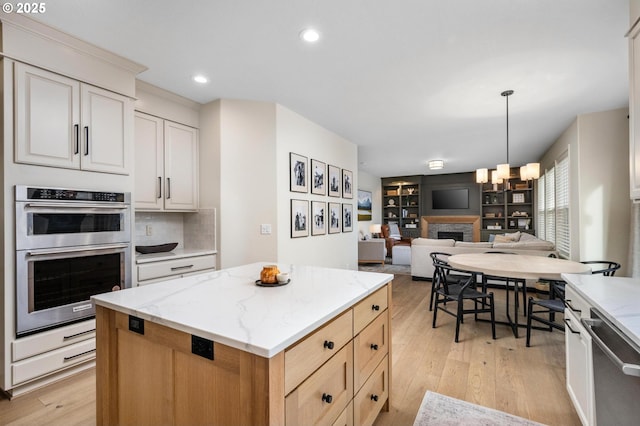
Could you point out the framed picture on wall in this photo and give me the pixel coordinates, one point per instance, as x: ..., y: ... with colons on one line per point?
x: 318, y: 218
x: 347, y: 183
x: 334, y: 181
x: 318, y: 177
x: 299, y: 215
x: 298, y: 172
x: 364, y: 205
x: 347, y: 217
x: 335, y: 214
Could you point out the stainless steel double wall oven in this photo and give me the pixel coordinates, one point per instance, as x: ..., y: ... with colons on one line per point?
x: 70, y: 245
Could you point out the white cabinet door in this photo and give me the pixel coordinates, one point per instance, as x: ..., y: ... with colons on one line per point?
x: 47, y: 108
x: 634, y: 112
x: 107, y: 127
x: 579, y: 368
x: 149, y: 162
x: 180, y: 167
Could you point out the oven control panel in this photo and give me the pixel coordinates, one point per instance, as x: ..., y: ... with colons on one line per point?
x: 74, y: 195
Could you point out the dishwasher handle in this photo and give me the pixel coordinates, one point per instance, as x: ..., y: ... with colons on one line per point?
x: 626, y: 368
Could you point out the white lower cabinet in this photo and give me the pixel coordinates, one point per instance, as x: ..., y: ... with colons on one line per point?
x: 579, y: 361
x: 45, y: 353
x: 152, y: 272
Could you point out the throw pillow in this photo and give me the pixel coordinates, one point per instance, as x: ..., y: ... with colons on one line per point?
x: 513, y: 237
x: 394, y: 231
x: 492, y: 237
x: 502, y: 239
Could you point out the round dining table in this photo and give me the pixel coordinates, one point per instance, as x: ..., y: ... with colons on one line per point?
x: 518, y: 266
x: 515, y: 269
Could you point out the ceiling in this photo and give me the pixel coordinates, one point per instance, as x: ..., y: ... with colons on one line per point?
x: 406, y: 80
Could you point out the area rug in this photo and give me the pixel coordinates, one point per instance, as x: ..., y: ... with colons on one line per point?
x: 387, y: 268
x: 441, y: 410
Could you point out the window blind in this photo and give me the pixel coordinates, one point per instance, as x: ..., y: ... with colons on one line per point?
x: 540, y: 219
x: 549, y: 204
x: 563, y: 240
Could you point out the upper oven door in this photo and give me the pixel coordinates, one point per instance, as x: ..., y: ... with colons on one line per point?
x: 45, y: 224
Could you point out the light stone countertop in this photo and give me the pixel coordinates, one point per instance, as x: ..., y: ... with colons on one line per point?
x: 618, y: 298
x: 227, y: 306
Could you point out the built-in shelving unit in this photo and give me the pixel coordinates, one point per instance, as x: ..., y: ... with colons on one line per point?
x: 507, y: 209
x: 401, y: 204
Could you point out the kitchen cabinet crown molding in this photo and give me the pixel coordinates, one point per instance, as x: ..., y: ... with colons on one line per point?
x: 27, y: 40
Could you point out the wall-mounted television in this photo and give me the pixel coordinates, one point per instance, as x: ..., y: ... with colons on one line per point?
x: 450, y: 199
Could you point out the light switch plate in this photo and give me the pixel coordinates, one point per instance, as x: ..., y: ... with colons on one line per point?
x: 265, y: 229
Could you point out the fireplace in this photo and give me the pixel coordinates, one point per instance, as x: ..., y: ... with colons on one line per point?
x: 468, y: 225
x: 444, y: 235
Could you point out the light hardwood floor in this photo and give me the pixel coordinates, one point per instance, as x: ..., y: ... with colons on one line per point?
x: 502, y: 374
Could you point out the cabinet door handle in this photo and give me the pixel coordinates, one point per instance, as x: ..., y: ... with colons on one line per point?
x: 374, y: 398
x: 374, y: 347
x: 76, y: 145
x: 327, y: 398
x: 567, y: 322
x: 69, y: 358
x: 168, y: 191
x: 78, y: 334
x: 375, y: 307
x: 328, y: 344
x: 86, y: 140
x: 178, y: 268
x: 159, y: 186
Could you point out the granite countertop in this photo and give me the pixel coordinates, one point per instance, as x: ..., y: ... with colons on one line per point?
x: 178, y: 253
x: 618, y: 298
x: 227, y: 306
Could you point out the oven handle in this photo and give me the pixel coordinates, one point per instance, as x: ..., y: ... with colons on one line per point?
x: 628, y: 369
x: 66, y: 206
x: 48, y: 252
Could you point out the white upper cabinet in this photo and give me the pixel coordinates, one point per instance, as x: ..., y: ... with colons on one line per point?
x: 166, y: 165
x: 61, y: 122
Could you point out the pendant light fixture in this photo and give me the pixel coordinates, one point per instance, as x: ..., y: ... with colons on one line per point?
x: 503, y: 171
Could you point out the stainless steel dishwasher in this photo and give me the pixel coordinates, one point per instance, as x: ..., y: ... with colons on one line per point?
x: 616, y: 372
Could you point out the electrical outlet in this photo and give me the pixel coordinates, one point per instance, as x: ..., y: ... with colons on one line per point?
x: 265, y: 229
x: 149, y: 230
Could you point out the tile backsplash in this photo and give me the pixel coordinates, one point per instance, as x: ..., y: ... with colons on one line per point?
x: 190, y: 230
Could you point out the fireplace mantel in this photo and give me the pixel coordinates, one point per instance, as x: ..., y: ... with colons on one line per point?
x: 473, y: 220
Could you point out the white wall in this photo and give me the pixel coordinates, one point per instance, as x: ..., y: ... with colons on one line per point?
x: 598, y: 145
x: 301, y: 136
x: 371, y: 183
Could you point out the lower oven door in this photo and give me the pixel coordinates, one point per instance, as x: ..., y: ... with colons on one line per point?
x: 54, y: 286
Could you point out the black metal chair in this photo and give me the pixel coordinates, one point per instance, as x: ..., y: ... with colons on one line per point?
x: 460, y: 293
x: 555, y: 304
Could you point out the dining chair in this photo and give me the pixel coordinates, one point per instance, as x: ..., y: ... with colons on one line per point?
x: 441, y: 259
x: 464, y: 291
x: 556, y: 303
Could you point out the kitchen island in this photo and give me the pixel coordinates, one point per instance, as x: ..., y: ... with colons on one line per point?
x: 215, y: 348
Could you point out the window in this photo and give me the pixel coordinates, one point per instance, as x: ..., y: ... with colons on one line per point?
x: 553, y: 205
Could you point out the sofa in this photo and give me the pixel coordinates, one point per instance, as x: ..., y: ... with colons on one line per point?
x: 517, y: 242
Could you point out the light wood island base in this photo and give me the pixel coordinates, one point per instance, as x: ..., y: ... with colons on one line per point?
x: 339, y: 374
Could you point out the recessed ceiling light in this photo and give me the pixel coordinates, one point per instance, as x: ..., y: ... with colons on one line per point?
x: 310, y: 35
x: 200, y: 79
x: 436, y: 164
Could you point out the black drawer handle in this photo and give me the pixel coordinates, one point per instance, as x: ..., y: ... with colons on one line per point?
x: 374, y: 347
x: 567, y: 322
x: 567, y: 303
x: 327, y: 398
x: 375, y: 307
x: 328, y: 344
x: 374, y: 398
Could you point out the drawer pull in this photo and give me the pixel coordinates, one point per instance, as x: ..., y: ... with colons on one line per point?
x: 69, y: 358
x: 375, y: 307
x: 177, y: 268
x: 327, y: 398
x: 78, y: 334
x: 374, y: 398
x: 567, y: 302
x: 328, y: 344
x: 567, y: 322
x: 374, y: 347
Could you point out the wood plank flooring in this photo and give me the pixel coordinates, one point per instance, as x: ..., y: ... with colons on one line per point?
x: 502, y: 374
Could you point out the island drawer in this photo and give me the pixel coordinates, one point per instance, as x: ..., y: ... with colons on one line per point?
x: 169, y: 268
x: 372, y: 396
x: 325, y: 394
x: 346, y: 417
x: 307, y: 355
x: 369, y: 348
x: 26, y: 347
x: 49, y: 362
x: 366, y: 310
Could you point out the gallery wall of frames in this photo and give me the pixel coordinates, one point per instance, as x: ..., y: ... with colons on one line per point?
x: 328, y: 211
